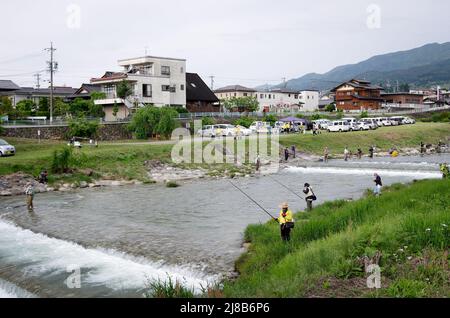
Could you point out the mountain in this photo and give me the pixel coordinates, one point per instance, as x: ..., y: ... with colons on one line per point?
x: 423, y: 66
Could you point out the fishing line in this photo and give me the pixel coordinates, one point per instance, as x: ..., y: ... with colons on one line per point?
x: 284, y: 186
x: 252, y: 200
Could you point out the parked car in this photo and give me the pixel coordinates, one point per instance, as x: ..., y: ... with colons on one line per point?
x: 260, y: 127
x: 409, y: 121
x: 6, y: 149
x: 361, y: 125
x: 339, y: 126
x: 207, y: 131
x: 371, y: 122
x: 225, y: 130
x: 350, y: 120
x: 399, y: 120
x: 243, y: 130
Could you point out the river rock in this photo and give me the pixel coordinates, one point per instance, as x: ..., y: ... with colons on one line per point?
x: 83, y: 184
x: 5, y: 193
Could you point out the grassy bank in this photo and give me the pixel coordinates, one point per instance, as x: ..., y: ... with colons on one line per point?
x: 125, y: 160
x: 384, y: 138
x: 406, y: 228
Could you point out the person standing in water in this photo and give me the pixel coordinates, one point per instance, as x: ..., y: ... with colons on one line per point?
x: 286, y: 154
x: 29, y: 191
x: 325, y: 154
x: 258, y: 163
x: 309, y: 196
x: 286, y: 221
x: 346, y: 153
x: 371, y: 151
x: 378, y: 185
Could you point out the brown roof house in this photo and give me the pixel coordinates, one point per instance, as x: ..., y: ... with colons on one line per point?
x: 357, y: 95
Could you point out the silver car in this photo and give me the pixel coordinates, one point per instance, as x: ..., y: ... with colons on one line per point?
x: 6, y: 149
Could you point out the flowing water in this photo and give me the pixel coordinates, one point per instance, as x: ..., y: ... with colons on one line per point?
x: 119, y: 238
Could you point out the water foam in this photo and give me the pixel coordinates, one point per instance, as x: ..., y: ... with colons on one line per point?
x: 41, y: 255
x: 9, y: 290
x: 365, y: 171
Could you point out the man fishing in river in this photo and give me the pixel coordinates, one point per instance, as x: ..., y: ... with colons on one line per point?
x: 286, y: 221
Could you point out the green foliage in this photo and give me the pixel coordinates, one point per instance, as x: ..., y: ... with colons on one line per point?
x: 242, y: 104
x: 172, y: 184
x: 25, y: 106
x: 340, y: 114
x: 2, y: 131
x: 316, y: 117
x: 80, y: 107
x: 81, y: 127
x: 208, y: 121
x: 115, y: 109
x: 443, y: 117
x: 406, y: 288
x: 181, y: 110
x: 244, y: 121
x: 61, y: 160
x: 364, y: 114
x: 61, y: 108
x: 124, y: 89
x: 44, y: 104
x: 330, y: 108
x: 5, y: 105
x: 150, y: 120
x: 272, y: 119
x: 167, y: 289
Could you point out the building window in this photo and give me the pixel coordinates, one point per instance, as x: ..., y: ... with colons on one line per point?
x: 165, y: 70
x: 182, y: 70
x: 182, y: 87
x: 165, y: 88
x: 245, y: 94
x: 261, y: 96
x: 296, y: 96
x: 147, y: 90
x: 234, y: 94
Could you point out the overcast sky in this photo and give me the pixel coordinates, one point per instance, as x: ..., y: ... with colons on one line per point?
x: 248, y: 42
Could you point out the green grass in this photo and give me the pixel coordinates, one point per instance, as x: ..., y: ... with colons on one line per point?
x: 125, y: 160
x: 384, y: 138
x: 405, y: 225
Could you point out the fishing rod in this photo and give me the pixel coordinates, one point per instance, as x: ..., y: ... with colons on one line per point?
x: 284, y: 186
x: 240, y: 190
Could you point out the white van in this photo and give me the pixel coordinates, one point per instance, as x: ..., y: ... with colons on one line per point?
x: 351, y: 120
x: 339, y: 126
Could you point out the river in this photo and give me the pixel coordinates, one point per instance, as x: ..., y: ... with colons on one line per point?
x: 120, y: 237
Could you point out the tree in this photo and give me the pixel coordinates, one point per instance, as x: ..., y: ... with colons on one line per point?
x: 80, y: 107
x: 404, y: 88
x: 94, y: 109
x: 81, y: 127
x: 330, y: 108
x: 272, y: 119
x: 61, y: 108
x: 124, y: 90
x: 5, y: 105
x: 115, y: 110
x: 26, y: 106
x: 150, y: 120
x: 242, y: 104
x: 43, y: 104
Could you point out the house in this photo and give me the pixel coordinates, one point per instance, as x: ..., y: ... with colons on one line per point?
x: 160, y: 81
x: 35, y: 94
x: 7, y: 87
x: 85, y: 91
x: 403, y: 98
x: 357, y: 95
x: 228, y: 92
x: 199, y: 97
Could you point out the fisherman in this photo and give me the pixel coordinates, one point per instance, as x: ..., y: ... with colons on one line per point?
x: 29, y: 191
x: 43, y: 177
x: 346, y: 153
x: 258, y: 163
x: 286, y: 154
x: 325, y: 154
x: 293, y: 151
x: 378, y: 185
x: 422, y: 148
x: 445, y: 171
x: 286, y: 221
x: 309, y: 196
x: 360, y: 153
x: 371, y: 151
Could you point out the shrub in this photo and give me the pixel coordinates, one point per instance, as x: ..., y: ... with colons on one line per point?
x: 61, y: 160
x: 2, y: 130
x: 244, y: 121
x: 172, y: 184
x: 272, y: 119
x: 168, y: 289
x: 208, y: 121
x: 81, y: 127
x: 152, y: 120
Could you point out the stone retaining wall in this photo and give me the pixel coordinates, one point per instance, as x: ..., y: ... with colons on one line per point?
x: 115, y: 131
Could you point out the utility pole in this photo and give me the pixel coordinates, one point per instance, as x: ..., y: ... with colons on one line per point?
x: 212, y: 82
x: 52, y: 67
x: 38, y: 80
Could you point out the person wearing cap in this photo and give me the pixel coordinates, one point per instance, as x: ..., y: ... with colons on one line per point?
x: 29, y: 191
x: 286, y: 221
x: 309, y: 196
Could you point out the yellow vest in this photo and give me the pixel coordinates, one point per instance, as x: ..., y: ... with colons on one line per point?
x: 288, y: 218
